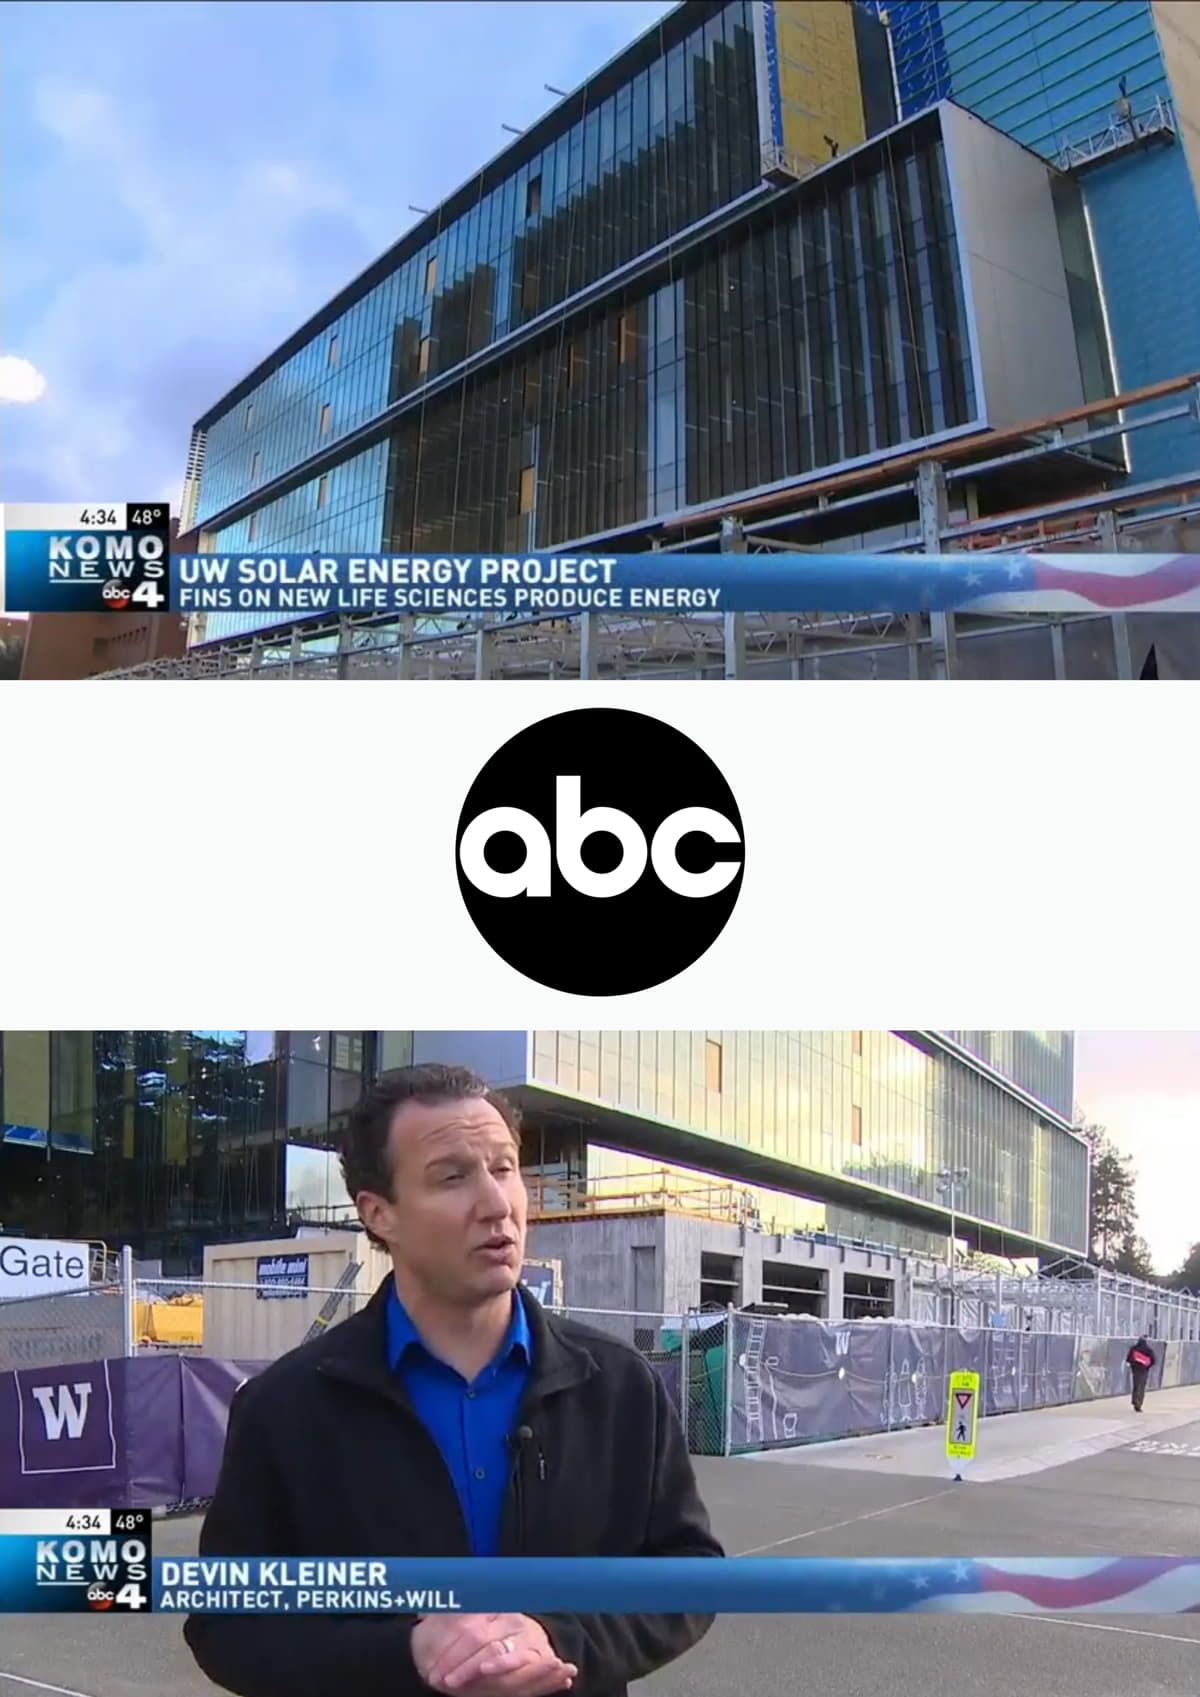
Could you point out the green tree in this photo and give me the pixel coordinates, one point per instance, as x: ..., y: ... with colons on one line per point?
x: 1133, y: 1259
x: 1188, y: 1276
x: 1113, y: 1199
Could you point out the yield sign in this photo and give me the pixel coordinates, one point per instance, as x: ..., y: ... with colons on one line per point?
x: 962, y: 1412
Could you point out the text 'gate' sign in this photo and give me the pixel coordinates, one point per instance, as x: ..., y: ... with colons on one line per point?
x: 41, y: 1267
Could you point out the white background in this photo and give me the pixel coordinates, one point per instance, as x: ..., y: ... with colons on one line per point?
x: 962, y: 855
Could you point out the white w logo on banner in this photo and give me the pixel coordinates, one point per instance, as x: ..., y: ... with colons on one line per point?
x: 59, y: 1408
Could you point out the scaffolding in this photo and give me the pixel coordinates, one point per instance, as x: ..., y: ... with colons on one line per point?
x: 1066, y: 1296
x: 1056, y: 483
x: 1126, y: 132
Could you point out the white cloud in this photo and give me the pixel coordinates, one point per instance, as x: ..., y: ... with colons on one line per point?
x: 20, y: 380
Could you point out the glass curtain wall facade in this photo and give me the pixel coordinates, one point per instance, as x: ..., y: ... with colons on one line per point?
x: 829, y: 330
x: 673, y: 142
x: 867, y: 1105
x: 168, y: 1139
x: 1041, y: 1062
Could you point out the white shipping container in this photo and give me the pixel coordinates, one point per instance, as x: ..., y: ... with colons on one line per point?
x: 269, y: 1314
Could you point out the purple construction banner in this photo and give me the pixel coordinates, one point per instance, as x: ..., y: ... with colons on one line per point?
x: 208, y: 1389
x: 62, y: 1436
x: 918, y: 1376
x: 670, y: 1371
x: 153, y: 1430
x: 66, y: 1419
x: 140, y: 1433
x: 804, y: 1379
x: 801, y: 1380
x: 150, y: 1432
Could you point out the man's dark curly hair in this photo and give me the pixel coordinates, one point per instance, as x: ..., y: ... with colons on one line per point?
x: 365, y: 1162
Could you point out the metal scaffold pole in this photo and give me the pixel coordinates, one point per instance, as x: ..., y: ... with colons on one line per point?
x: 727, y: 1421
x: 934, y: 514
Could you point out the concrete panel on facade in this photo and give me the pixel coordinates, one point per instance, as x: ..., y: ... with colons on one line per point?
x: 1177, y: 23
x: 605, y: 1260
x: 1014, y: 276
x: 653, y: 1263
x: 689, y: 1240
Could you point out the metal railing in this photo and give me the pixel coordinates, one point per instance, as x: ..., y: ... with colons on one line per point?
x: 665, y: 1190
x: 1125, y: 130
x: 661, y: 1190
x: 1094, y: 1302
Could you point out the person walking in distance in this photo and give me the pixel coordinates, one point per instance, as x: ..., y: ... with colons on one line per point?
x: 1140, y: 1362
x: 451, y: 1417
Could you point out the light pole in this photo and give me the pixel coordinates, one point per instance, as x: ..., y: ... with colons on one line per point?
x: 949, y: 1181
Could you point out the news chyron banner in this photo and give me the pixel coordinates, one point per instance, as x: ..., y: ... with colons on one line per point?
x: 75, y: 1561
x: 116, y: 557
x: 98, y: 1561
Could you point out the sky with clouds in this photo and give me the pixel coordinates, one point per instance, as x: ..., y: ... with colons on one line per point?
x: 1145, y: 1088
x: 186, y: 183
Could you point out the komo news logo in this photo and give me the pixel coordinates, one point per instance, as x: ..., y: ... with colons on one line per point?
x: 600, y: 852
x: 128, y: 568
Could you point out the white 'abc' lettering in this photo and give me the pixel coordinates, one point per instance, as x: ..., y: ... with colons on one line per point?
x: 572, y: 828
x: 60, y: 1409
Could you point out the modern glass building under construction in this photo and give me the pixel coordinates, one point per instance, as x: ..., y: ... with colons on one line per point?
x: 168, y: 1140
x: 763, y: 281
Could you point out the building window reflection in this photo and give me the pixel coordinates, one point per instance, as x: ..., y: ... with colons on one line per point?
x: 166, y: 1139
x: 713, y: 1076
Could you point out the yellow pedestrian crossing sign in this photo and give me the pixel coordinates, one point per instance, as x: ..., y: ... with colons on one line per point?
x: 962, y: 1416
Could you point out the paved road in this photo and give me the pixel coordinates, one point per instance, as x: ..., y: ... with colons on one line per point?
x: 1140, y: 1495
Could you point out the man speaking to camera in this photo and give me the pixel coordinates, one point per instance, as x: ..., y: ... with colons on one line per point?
x: 452, y: 1417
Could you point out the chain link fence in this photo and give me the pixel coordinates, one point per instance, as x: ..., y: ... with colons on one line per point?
x: 739, y: 1380
x: 687, y: 1351
x: 66, y: 1327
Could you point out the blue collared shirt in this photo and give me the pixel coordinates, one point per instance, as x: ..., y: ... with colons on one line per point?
x: 470, y: 1423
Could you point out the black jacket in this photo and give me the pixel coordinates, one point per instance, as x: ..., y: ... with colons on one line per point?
x: 325, y: 1457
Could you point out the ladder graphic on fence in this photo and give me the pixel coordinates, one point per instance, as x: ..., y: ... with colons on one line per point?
x: 752, y: 1367
x: 333, y: 1301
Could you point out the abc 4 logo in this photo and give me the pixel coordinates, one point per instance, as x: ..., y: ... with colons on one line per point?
x: 129, y: 1597
x: 120, y: 595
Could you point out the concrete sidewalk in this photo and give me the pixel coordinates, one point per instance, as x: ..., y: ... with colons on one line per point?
x: 1010, y: 1445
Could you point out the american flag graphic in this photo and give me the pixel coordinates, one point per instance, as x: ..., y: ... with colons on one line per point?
x: 1078, y: 583
x: 1009, y: 583
x: 1026, y: 1585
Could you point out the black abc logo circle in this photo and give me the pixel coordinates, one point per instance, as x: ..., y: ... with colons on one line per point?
x: 600, y: 852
